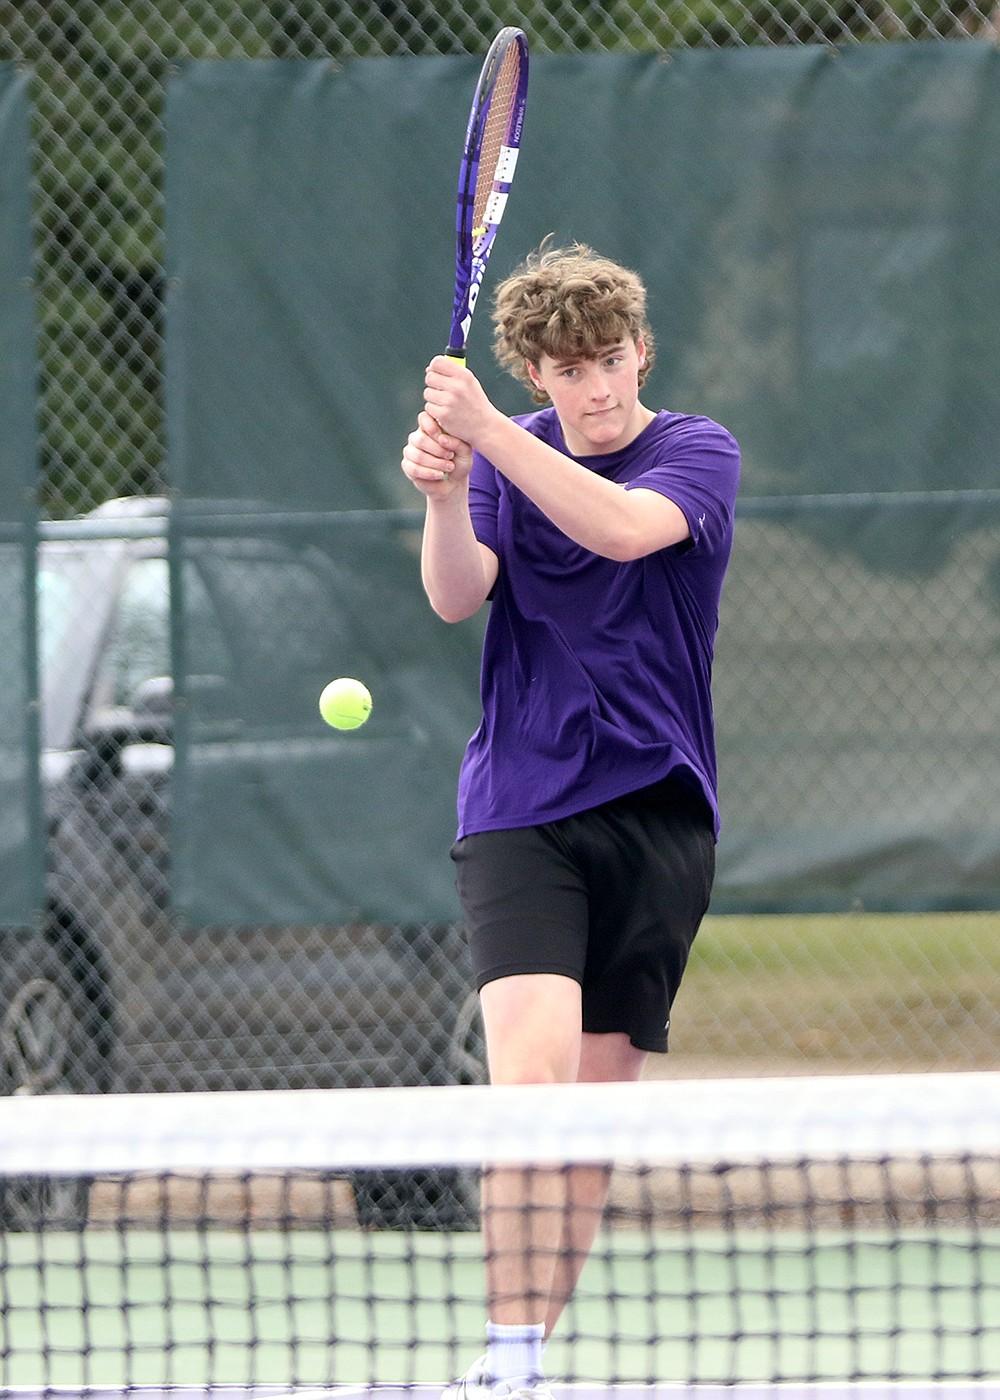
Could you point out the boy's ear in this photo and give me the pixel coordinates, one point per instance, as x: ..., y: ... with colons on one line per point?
x: 640, y: 349
x: 533, y: 374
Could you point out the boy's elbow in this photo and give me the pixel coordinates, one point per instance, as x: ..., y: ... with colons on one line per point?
x: 643, y: 532
x: 622, y: 551
x: 625, y: 545
x: 449, y: 611
x: 450, y: 614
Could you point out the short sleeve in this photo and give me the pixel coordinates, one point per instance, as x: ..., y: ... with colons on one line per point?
x: 699, y: 470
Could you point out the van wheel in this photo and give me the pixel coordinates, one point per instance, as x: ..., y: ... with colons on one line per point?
x: 49, y: 1044
x: 467, y: 1050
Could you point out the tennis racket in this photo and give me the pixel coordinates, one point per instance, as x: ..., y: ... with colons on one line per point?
x: 492, y: 141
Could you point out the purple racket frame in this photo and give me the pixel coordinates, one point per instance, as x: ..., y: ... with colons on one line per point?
x: 474, y: 245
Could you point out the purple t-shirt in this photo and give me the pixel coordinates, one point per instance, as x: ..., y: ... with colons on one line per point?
x: 596, y: 676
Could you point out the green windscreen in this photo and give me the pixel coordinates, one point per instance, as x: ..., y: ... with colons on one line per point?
x: 282, y: 819
x: 815, y: 229
x: 21, y: 860
x: 857, y: 687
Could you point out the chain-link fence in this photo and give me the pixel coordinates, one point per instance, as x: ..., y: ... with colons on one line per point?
x: 114, y: 994
x: 99, y: 75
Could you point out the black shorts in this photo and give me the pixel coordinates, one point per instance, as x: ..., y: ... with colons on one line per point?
x: 611, y: 897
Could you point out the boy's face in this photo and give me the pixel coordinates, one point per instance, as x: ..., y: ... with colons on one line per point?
x: 596, y: 398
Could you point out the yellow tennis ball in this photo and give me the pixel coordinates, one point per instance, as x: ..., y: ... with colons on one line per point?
x: 345, y: 703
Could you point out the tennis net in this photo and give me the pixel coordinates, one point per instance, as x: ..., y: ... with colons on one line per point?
x: 799, y: 1237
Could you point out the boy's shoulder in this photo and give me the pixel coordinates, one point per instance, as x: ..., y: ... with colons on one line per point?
x: 688, y: 425
x: 542, y: 422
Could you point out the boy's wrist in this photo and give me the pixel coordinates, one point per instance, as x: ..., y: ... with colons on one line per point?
x: 495, y: 434
x: 456, y: 497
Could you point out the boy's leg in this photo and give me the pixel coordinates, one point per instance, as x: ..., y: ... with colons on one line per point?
x: 604, y: 1059
x: 539, y: 1225
x: 525, y: 905
x: 533, y: 1036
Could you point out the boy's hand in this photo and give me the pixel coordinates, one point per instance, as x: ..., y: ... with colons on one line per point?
x: 433, y: 460
x: 456, y: 399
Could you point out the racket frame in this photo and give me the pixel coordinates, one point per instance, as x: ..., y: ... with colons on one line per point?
x: 474, y: 245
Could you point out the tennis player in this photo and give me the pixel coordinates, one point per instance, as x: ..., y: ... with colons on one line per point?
x: 599, y: 530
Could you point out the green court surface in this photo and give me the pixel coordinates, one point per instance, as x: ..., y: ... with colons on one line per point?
x: 109, y: 1308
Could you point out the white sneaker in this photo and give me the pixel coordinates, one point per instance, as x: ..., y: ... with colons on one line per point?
x: 536, y: 1389
x: 478, y: 1384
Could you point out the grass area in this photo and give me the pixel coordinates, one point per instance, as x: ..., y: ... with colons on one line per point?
x: 841, y: 992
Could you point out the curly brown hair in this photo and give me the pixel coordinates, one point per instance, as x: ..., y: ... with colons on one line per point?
x: 567, y: 302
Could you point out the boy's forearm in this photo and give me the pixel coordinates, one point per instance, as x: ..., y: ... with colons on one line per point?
x: 452, y: 567
x: 596, y: 513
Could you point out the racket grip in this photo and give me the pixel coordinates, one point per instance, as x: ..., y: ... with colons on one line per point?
x: 453, y: 354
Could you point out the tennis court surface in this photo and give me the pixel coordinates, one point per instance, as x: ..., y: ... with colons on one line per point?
x: 847, y: 1391
x: 819, y: 1237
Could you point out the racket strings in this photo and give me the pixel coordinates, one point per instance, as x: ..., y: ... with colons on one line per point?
x: 495, y: 137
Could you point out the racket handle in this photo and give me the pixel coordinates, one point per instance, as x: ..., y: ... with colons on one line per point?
x: 454, y: 354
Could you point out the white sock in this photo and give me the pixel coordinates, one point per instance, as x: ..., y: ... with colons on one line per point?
x: 514, y: 1352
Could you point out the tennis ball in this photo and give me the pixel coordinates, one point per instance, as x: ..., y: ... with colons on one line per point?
x: 345, y: 703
